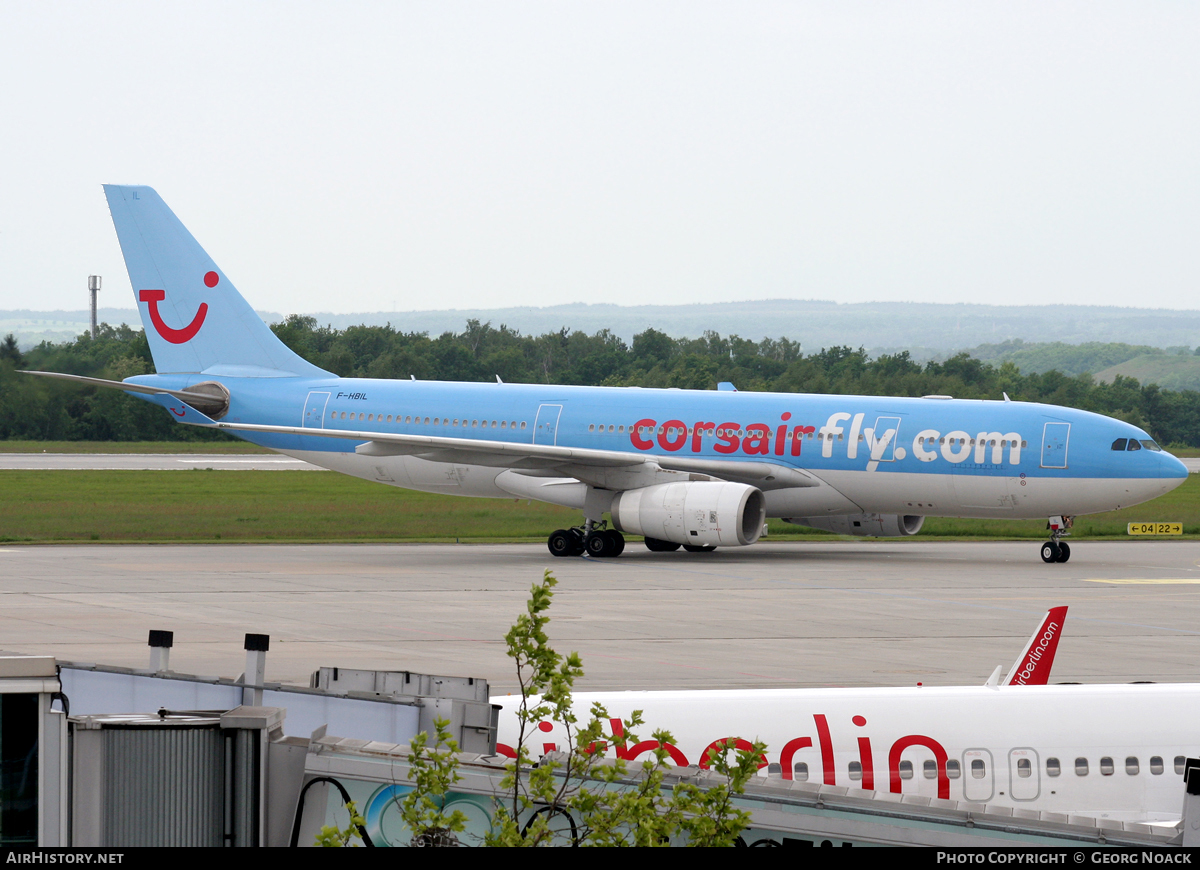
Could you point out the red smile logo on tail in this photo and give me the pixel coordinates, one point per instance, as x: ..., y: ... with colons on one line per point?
x: 176, y: 336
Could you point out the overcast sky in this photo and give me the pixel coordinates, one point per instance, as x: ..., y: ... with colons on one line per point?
x: 370, y: 156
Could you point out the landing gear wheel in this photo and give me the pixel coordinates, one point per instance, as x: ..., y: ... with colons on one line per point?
x: 605, y: 544
x: 1051, y: 552
x: 1064, y: 552
x: 657, y: 546
x: 564, y: 543
x: 698, y: 548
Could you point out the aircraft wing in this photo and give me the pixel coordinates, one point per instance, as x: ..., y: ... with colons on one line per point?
x: 507, y: 454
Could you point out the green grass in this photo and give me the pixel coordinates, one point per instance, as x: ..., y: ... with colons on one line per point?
x: 257, y: 506
x: 193, y: 506
x: 190, y: 447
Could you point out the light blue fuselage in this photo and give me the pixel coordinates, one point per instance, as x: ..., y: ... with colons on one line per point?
x: 1050, y: 460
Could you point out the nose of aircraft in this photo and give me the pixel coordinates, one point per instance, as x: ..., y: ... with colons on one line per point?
x: 1172, y: 471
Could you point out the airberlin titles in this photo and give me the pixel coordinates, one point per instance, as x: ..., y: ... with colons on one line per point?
x: 842, y: 431
x: 863, y: 770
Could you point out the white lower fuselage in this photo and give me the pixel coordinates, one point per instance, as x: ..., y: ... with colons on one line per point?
x: 840, y: 492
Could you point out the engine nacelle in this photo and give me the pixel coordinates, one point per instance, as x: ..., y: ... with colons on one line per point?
x: 872, y: 525
x: 703, y: 513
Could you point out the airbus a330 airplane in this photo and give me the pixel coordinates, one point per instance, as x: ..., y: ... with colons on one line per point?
x: 698, y: 469
x: 1111, y: 751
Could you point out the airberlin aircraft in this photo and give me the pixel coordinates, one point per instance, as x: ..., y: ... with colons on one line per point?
x: 1112, y: 751
x: 690, y: 468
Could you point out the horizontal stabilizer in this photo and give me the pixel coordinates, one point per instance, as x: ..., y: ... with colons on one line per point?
x: 183, y: 395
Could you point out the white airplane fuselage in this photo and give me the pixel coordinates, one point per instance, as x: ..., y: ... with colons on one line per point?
x: 1111, y: 751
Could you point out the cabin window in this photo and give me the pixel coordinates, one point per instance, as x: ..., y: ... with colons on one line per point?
x: 906, y: 770
x: 929, y: 768
x: 620, y: 428
x: 389, y: 418
x: 1179, y: 764
x: 611, y: 427
x: 474, y: 424
x: 1120, y: 443
x: 1081, y: 767
x: 408, y: 419
x: 1106, y: 766
x: 1053, y: 768
x: 1024, y: 768
x: 953, y: 769
x: 1131, y: 766
x: 522, y: 424
x: 592, y: 428
x: 333, y: 416
x: 856, y: 770
x: 371, y: 417
x: 493, y: 424
x: 800, y: 771
x: 503, y: 424
x: 978, y: 768
x: 343, y: 415
x: 426, y: 421
x: 1156, y: 765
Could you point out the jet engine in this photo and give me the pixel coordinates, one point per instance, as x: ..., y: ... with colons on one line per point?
x: 872, y: 525
x: 700, y: 513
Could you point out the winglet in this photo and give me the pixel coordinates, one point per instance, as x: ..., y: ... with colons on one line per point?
x: 1032, y: 667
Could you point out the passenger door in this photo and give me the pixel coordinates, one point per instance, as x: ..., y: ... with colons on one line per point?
x: 314, y: 410
x: 1054, y: 445
x: 1023, y: 774
x: 545, y: 427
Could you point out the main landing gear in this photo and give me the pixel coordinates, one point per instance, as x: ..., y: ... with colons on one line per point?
x: 598, y: 543
x: 594, y: 540
x: 1055, y: 550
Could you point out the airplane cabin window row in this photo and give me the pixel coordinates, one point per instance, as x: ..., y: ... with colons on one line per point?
x: 1107, y: 767
x: 1024, y: 769
x: 437, y: 421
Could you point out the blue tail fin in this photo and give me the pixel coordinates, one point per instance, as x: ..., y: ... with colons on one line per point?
x: 195, y: 319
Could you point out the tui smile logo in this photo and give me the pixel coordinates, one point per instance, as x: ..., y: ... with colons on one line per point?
x: 176, y: 336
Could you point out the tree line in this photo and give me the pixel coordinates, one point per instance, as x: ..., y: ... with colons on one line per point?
x: 38, y: 409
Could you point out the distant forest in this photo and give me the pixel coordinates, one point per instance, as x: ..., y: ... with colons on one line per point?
x: 38, y: 409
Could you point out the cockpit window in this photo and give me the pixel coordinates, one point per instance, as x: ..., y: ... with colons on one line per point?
x: 1133, y: 444
x: 1120, y: 443
x: 1150, y: 445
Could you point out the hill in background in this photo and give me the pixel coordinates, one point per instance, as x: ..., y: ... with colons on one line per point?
x: 924, y: 329
x: 1153, y: 345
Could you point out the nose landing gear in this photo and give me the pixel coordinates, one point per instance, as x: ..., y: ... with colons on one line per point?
x: 1055, y: 550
